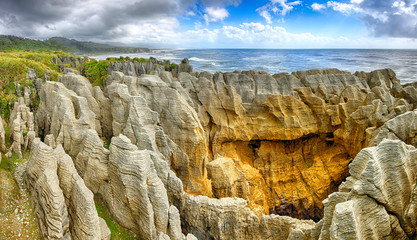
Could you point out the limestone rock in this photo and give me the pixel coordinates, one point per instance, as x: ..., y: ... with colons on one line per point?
x: 132, y: 174
x: 2, y: 137
x: 174, y: 227
x: 382, y: 181
x: 22, y: 122
x: 65, y: 115
x: 227, y: 180
x: 64, y: 206
x: 82, y: 87
x: 230, y: 218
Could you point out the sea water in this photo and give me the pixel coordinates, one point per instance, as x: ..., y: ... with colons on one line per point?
x: 403, y: 62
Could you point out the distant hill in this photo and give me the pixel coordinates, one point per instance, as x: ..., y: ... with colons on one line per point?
x: 8, y: 42
x: 92, y: 47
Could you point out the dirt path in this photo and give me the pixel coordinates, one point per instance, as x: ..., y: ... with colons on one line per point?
x: 16, y: 214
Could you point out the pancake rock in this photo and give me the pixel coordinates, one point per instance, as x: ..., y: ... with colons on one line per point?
x: 262, y: 144
x: 21, y: 126
x: 291, y: 135
x: 230, y: 218
x: 2, y: 137
x: 63, y: 205
x: 377, y: 200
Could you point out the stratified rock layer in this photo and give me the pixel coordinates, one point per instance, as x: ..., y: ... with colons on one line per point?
x: 377, y: 200
x: 262, y: 144
x: 63, y: 205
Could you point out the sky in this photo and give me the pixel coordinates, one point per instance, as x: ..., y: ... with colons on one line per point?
x: 218, y: 23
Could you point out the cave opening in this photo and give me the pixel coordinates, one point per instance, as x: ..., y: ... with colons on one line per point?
x: 290, y: 177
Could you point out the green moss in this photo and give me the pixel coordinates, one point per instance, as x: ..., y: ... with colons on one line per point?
x: 117, y: 231
x: 106, y: 144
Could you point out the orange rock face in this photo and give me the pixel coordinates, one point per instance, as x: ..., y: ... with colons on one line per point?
x: 290, y: 137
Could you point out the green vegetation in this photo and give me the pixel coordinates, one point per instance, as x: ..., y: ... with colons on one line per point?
x: 96, y: 71
x: 117, y: 231
x: 8, y: 42
x: 18, y: 43
x: 106, y: 144
x: 13, y: 69
x: 92, y: 47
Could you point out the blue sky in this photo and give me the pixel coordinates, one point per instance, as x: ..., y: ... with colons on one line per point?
x: 218, y: 23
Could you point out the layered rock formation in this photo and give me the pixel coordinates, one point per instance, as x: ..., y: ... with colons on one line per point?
x: 63, y: 205
x: 21, y: 126
x: 2, y: 137
x: 377, y: 199
x: 262, y: 144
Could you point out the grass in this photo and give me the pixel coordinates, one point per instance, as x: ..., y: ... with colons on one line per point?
x: 13, y: 69
x: 117, y: 231
x: 16, y: 214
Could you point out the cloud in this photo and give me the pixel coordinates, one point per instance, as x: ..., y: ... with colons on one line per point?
x: 276, y: 7
x: 317, y: 6
x: 215, y: 14
x: 258, y: 35
x: 392, y: 18
x: 85, y: 20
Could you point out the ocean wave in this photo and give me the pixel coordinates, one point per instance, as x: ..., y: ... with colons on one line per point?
x: 200, y: 59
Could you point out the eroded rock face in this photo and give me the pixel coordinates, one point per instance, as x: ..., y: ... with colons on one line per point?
x: 281, y: 144
x: 291, y: 135
x: 376, y: 201
x: 63, y: 205
x: 230, y: 218
x: 2, y: 137
x: 21, y: 127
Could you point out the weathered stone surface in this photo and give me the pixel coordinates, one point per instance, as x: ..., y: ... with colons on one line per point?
x: 174, y: 224
x: 2, y: 137
x: 230, y: 218
x: 281, y: 142
x: 227, y: 180
x: 376, y: 201
x: 155, y: 110
x: 46, y: 195
x: 92, y: 161
x: 97, y: 102
x: 22, y: 122
x: 64, y: 206
x: 132, y: 174
x: 65, y: 115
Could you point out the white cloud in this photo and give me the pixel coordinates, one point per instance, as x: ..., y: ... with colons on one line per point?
x: 317, y: 6
x: 215, y: 14
x: 258, y: 35
x: 346, y: 8
x: 276, y: 7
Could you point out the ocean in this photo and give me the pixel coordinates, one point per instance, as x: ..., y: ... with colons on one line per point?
x: 403, y: 62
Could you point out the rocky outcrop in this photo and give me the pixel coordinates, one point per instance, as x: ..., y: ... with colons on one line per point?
x: 382, y: 181
x: 132, y: 174
x: 136, y: 68
x: 95, y: 100
x: 2, y: 137
x: 262, y: 144
x: 156, y: 117
x: 22, y: 127
x: 63, y: 205
x: 230, y: 218
x: 315, y: 120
